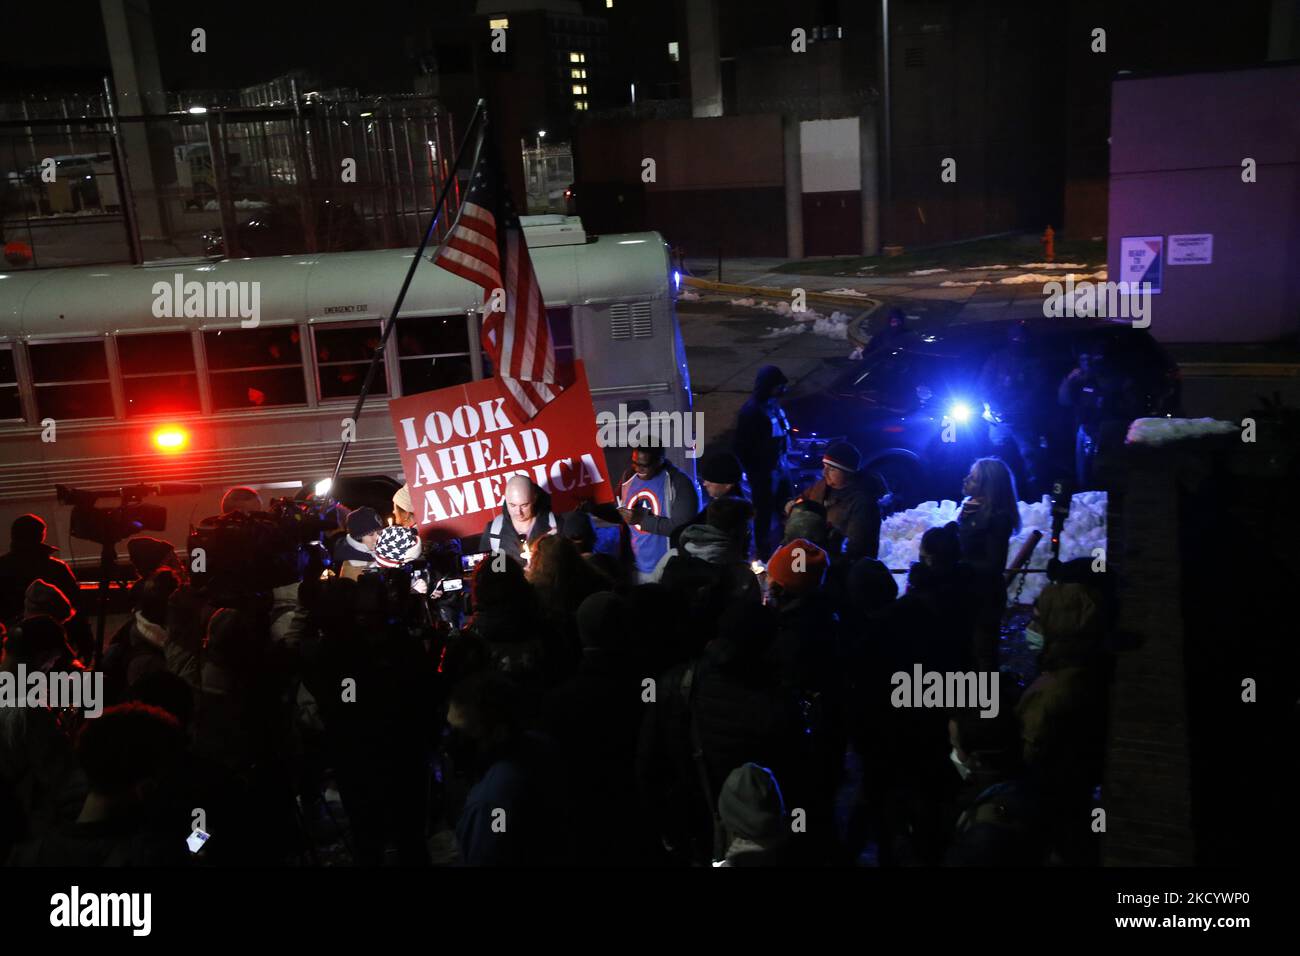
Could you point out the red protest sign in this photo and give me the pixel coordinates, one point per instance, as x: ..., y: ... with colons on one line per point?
x: 459, y: 447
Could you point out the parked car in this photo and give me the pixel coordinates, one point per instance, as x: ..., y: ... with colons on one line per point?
x: 892, y: 404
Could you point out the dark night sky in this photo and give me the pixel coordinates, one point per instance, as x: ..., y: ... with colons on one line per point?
x: 370, y: 45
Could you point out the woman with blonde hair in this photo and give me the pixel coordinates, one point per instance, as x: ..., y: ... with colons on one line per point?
x: 989, y: 517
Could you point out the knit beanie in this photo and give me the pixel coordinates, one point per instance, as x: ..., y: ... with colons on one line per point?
x: 798, y: 567
x: 751, y: 805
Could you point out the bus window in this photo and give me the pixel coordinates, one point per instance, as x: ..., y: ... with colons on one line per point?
x: 10, y: 407
x: 342, y: 357
x: 71, y: 380
x: 158, y: 373
x: 561, y: 333
x: 434, y: 352
x: 255, y: 368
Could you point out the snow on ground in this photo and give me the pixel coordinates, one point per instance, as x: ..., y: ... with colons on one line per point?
x: 1027, y: 277
x: 688, y: 295
x: 846, y: 292
x: 1053, y: 265
x: 925, y: 272
x: 745, y: 302
x: 982, y: 268
x: 951, y: 284
x: 1085, y: 529
x: 1161, y: 431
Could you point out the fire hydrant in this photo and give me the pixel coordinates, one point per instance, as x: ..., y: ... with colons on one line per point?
x: 1049, y: 244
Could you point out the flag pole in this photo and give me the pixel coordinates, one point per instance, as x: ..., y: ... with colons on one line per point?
x: 480, y: 115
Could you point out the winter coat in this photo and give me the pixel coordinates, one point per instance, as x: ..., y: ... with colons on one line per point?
x: 140, y: 647
x: 21, y: 566
x: 853, y: 513
x: 985, y: 539
x: 759, y: 451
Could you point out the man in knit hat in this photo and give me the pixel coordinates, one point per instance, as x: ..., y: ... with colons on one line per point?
x: 44, y: 598
x: 753, y: 811
x: 720, y: 475
x: 403, y: 509
x: 356, y: 550
x: 851, y: 498
x: 29, y: 559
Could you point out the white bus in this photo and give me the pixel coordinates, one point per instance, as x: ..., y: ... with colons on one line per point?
x: 128, y: 398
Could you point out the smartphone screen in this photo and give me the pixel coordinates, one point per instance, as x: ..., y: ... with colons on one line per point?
x: 452, y: 584
x: 468, y: 562
x: 196, y: 840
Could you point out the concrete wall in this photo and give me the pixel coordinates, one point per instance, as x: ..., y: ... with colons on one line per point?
x: 1177, y: 146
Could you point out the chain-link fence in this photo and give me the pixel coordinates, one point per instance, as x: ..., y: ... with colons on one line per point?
x: 80, y: 186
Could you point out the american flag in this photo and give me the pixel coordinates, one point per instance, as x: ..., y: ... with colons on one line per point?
x: 486, y: 234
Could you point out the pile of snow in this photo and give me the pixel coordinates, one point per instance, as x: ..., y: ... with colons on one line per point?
x: 1026, y: 277
x: 1161, y: 431
x: 834, y: 327
x: 1053, y: 265
x: 1085, y: 530
x: 951, y: 284
x: 846, y: 292
x: 925, y: 272
x: 982, y: 268
x: 688, y: 295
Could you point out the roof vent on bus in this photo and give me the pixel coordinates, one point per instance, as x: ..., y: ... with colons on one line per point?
x: 553, y: 230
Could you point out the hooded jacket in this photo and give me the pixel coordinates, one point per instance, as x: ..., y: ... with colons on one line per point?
x: 757, y: 446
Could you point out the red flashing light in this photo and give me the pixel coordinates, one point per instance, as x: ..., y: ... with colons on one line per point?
x: 171, y: 439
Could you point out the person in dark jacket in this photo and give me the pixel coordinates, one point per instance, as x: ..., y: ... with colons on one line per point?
x: 989, y: 518
x: 127, y: 753
x: 711, y: 570
x: 731, y: 699
x: 762, y: 440
x: 513, y: 813
x: 851, y: 498
x: 526, y: 517
x: 720, y: 477
x: 30, y: 559
x: 594, y: 718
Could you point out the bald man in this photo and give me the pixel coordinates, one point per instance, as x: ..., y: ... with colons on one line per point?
x: 525, y: 519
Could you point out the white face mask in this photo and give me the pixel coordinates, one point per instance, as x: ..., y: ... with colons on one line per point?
x: 963, y: 771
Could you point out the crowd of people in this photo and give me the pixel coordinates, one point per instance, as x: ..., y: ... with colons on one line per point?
x: 689, y: 675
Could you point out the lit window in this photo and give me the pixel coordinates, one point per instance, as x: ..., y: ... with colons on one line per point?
x: 609, y: 4
x: 578, y: 74
x: 579, y: 104
x: 499, y: 23
x: 672, y: 51
x: 577, y: 58
x: 579, y: 89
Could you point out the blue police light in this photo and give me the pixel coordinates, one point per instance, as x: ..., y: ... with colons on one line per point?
x: 677, y: 280
x: 959, y: 412
x: 988, y: 413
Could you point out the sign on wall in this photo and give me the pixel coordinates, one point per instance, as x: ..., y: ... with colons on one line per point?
x: 1191, y: 249
x: 459, y: 447
x: 1140, y: 261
